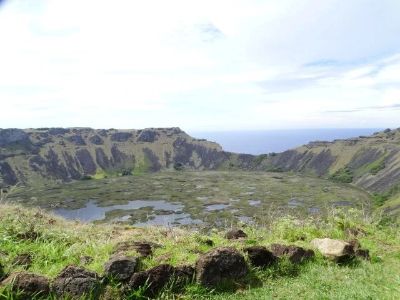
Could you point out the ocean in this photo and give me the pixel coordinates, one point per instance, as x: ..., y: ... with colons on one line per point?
x: 267, y: 141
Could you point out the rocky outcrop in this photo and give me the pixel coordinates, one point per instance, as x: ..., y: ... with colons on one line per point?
x: 121, y: 267
x: 158, y: 277
x: 121, y: 136
x: 155, y: 279
x: 260, y: 256
x: 148, y: 136
x: 295, y: 254
x: 28, y: 285
x: 76, y: 282
x: 219, y: 265
x: 13, y: 136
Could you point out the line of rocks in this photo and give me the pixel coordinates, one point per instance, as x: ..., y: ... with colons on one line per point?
x: 218, y: 265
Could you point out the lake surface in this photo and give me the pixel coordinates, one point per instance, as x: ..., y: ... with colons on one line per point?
x: 161, y: 213
x: 260, y: 142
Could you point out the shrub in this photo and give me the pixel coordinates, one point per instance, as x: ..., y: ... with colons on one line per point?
x: 344, y: 175
x: 126, y: 172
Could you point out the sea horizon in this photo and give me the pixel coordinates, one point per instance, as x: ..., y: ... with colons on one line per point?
x: 276, y: 140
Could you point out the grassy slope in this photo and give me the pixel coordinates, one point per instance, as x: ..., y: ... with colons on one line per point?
x: 392, y: 206
x: 61, y: 243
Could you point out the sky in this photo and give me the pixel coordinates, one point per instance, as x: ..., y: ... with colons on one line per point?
x: 200, y: 65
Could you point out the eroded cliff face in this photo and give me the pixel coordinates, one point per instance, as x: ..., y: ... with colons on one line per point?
x: 64, y: 154
x: 372, y: 162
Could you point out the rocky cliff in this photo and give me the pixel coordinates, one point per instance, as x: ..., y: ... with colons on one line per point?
x: 371, y: 162
x: 64, y: 154
x: 34, y: 155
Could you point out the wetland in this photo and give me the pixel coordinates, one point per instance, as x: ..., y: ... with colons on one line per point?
x: 192, y: 198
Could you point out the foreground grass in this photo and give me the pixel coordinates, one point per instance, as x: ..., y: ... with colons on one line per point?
x: 55, y: 243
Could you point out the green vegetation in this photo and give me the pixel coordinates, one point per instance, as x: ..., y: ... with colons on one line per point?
x: 54, y: 243
x: 141, y: 167
x: 241, y: 195
x: 100, y: 174
x: 380, y: 199
x: 387, y: 198
x: 344, y: 175
x: 259, y: 159
x: 377, y: 166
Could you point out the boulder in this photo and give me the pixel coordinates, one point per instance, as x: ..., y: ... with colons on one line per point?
x: 220, y: 264
x: 260, y: 257
x: 235, y: 234
x: 28, y: 284
x: 121, y: 267
x: 334, y: 249
x: 294, y: 253
x: 76, y: 282
x: 154, y: 279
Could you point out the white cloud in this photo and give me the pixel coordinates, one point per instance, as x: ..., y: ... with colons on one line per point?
x: 198, y: 64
